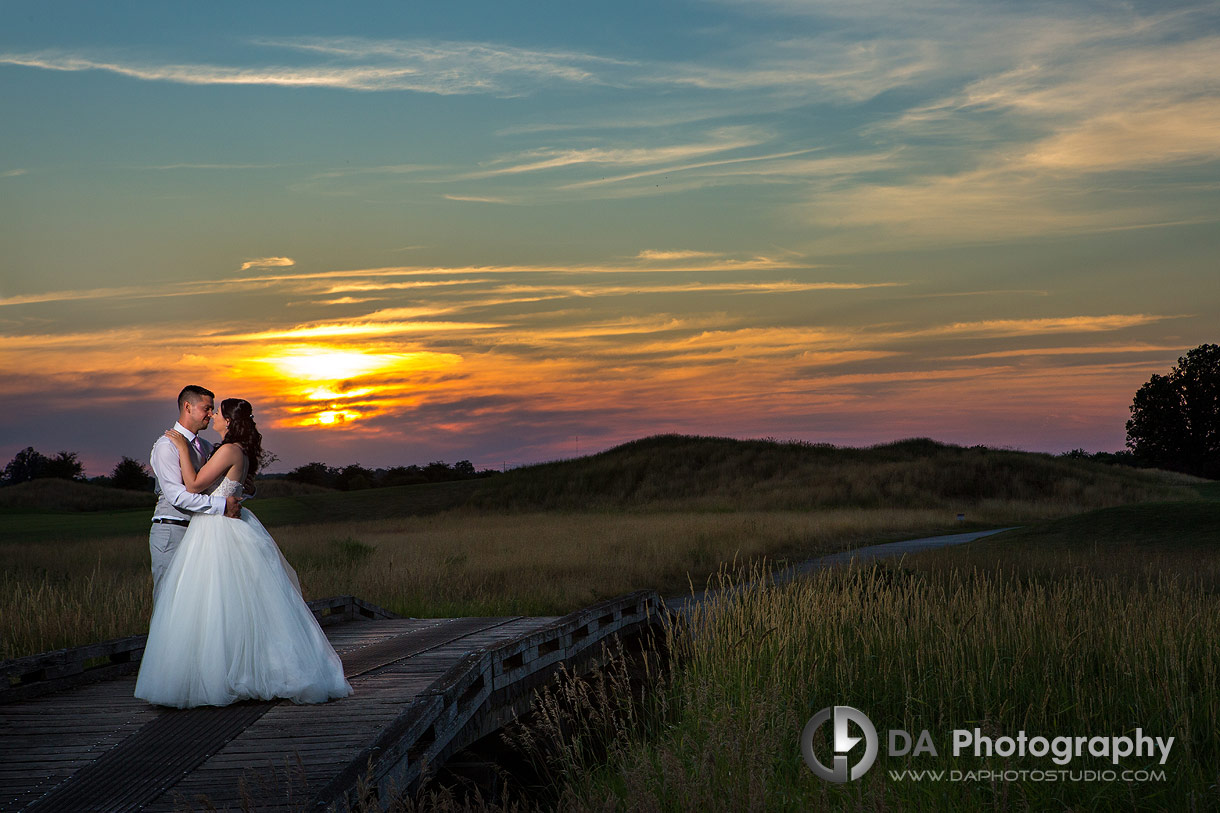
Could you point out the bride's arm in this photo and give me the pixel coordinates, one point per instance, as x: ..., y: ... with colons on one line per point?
x: 221, y: 461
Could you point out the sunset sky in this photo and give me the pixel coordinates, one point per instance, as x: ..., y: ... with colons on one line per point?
x: 512, y: 232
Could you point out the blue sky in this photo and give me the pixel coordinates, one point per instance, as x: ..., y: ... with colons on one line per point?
x: 497, y: 228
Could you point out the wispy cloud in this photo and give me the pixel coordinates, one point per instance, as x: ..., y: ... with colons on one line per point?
x: 815, y: 67
x: 445, y: 68
x: 461, y: 67
x: 545, y: 175
x: 13, y: 173
x: 268, y: 262
x: 499, y: 295
x: 120, y: 292
x: 413, y: 285
x: 1084, y: 350
x: 1041, y: 109
x: 166, y: 167
x: 684, y: 168
x: 1187, y: 131
x: 1097, y: 71
x: 477, y: 198
x: 990, y: 292
x: 461, y: 58
x: 723, y: 262
x: 720, y: 140
x: 342, y: 300
x: 1043, y: 326
x: 994, y: 204
x: 354, y: 330
x: 656, y: 254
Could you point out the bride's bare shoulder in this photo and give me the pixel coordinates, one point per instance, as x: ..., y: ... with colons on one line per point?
x: 228, y: 452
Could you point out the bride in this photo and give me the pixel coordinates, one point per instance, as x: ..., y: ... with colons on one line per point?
x: 230, y: 623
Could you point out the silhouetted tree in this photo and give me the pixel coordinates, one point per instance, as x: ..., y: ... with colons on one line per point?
x: 131, y: 474
x: 64, y: 466
x: 1175, y: 418
x: 438, y: 471
x: 27, y: 464
x: 1123, y: 458
x: 402, y: 476
x: 318, y: 474
x: 354, y: 478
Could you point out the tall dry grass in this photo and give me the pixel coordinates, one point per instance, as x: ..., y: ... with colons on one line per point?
x: 934, y: 649
x: 72, y: 591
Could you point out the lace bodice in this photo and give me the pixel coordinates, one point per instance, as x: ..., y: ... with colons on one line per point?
x: 227, y: 488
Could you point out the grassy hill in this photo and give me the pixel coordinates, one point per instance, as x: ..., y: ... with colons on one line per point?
x: 56, y: 495
x: 678, y: 471
x: 661, y: 473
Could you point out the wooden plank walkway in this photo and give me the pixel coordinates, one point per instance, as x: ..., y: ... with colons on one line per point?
x: 424, y: 689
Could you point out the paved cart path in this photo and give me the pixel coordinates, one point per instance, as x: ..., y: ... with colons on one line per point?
x: 685, y: 603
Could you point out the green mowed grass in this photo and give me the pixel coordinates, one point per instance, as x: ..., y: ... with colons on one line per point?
x: 1175, y: 523
x: 1142, y: 541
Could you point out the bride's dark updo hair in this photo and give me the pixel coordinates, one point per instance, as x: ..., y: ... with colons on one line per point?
x: 242, y: 430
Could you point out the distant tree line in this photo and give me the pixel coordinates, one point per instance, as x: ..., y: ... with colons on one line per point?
x: 30, y: 464
x: 355, y: 477
x: 1112, y: 458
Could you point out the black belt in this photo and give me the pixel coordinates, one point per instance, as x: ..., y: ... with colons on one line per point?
x: 182, y: 522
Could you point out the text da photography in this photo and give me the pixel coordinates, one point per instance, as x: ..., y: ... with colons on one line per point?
x: 850, y: 728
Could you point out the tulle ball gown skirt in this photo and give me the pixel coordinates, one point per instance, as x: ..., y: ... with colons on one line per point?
x: 230, y: 624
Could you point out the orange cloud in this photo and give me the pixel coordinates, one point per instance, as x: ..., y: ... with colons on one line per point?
x: 268, y: 262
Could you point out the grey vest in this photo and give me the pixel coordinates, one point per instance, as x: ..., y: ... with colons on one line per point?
x: 164, y: 507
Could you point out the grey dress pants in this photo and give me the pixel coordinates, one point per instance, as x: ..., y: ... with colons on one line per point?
x: 163, y: 541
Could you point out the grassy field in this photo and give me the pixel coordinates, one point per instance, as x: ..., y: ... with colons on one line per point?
x: 653, y: 514
x: 1089, y: 625
x: 57, y: 592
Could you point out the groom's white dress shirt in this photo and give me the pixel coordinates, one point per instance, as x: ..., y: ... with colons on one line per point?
x: 168, y: 469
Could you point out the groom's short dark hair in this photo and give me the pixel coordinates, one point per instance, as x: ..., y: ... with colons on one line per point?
x: 191, y: 394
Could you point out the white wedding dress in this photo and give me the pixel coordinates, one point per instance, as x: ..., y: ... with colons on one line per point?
x: 230, y: 623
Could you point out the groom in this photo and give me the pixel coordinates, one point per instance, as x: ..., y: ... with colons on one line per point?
x: 176, y: 505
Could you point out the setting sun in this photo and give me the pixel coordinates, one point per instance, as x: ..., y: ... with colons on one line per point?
x: 332, y: 416
x: 314, y: 363
x: 339, y: 386
x: 330, y: 394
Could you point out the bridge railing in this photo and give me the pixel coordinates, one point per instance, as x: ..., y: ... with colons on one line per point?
x: 481, y: 692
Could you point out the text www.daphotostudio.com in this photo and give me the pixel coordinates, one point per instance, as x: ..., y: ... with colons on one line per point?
x: 1059, y: 750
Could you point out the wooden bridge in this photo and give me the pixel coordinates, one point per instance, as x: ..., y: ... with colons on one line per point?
x: 72, y: 736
